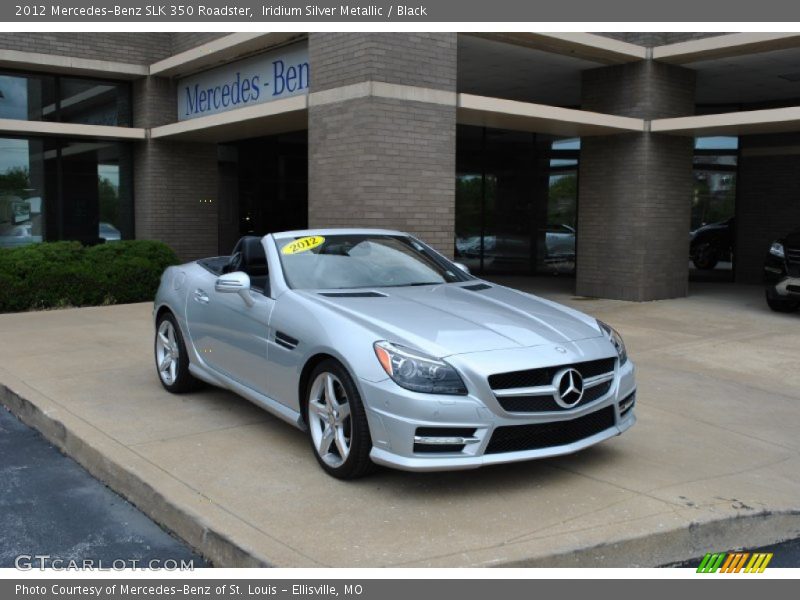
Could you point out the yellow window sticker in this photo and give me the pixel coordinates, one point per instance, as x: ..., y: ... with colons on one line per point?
x: 303, y: 244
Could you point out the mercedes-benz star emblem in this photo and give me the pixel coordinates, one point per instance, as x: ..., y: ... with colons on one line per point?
x: 569, y: 388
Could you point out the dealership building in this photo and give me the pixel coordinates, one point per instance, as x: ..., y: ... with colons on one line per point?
x: 585, y: 155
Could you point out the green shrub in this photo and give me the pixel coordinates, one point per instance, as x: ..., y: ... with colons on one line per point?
x: 57, y: 274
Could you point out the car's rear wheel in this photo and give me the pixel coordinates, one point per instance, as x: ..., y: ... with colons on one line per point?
x: 337, y: 422
x: 172, y: 360
x: 784, y: 305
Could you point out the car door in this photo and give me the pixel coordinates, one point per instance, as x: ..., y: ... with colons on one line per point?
x: 230, y: 336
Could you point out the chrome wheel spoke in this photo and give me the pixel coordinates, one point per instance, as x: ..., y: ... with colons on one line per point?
x: 330, y: 392
x: 342, y: 412
x: 164, y: 339
x: 318, y: 409
x: 166, y: 362
x: 326, y: 440
x: 341, y: 443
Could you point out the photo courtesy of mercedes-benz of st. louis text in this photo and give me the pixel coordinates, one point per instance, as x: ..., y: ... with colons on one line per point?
x: 388, y: 353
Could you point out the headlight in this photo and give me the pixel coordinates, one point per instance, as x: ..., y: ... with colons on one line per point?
x: 776, y: 249
x: 416, y: 372
x: 615, y: 339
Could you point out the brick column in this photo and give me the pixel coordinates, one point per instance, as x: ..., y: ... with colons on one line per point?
x: 175, y: 183
x: 635, y: 189
x: 383, y: 162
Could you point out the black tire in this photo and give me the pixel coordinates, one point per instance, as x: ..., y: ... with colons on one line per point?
x: 183, y: 381
x: 357, y: 462
x: 705, y: 257
x: 782, y: 305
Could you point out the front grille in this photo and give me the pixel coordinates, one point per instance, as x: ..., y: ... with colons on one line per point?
x: 792, y: 261
x: 513, y: 438
x: 544, y: 376
x: 548, y: 403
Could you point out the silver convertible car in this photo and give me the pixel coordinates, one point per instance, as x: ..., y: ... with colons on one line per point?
x: 386, y: 352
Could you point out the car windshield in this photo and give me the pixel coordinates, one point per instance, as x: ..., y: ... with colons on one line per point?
x: 362, y: 261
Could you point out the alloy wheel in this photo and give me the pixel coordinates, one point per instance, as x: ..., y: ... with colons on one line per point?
x: 167, y: 352
x: 329, y: 419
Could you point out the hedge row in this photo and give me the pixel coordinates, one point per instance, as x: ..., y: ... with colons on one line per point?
x: 60, y: 274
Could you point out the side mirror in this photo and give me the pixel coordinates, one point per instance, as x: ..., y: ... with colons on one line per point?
x: 237, y: 282
x: 462, y: 266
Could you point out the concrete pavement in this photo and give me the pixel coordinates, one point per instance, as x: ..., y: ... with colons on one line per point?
x: 711, y: 465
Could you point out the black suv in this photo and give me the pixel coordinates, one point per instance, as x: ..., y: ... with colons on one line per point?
x: 782, y: 273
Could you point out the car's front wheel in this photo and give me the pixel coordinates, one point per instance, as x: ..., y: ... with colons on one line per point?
x: 337, y: 423
x: 172, y: 360
x: 705, y: 257
x: 784, y: 305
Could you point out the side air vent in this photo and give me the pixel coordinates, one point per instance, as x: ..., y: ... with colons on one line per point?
x: 352, y: 294
x: 286, y: 341
x: 476, y: 287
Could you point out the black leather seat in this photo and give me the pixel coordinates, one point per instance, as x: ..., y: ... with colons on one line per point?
x: 248, y: 255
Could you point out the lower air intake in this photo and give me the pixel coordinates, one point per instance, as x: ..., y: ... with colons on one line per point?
x: 514, y: 438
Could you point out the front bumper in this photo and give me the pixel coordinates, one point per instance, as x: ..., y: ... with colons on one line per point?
x: 395, y: 415
x: 782, y: 279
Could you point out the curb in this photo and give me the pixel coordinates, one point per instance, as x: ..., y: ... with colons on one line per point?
x: 122, y: 477
x: 186, y: 515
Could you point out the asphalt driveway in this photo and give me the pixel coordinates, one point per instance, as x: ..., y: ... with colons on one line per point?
x: 50, y: 506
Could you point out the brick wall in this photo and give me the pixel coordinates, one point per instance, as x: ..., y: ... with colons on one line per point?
x: 767, y: 200
x: 645, y: 90
x: 384, y: 163
x: 137, y: 48
x: 635, y: 189
x: 186, y: 40
x: 154, y: 101
x: 173, y: 182
x: 419, y: 59
x: 378, y: 162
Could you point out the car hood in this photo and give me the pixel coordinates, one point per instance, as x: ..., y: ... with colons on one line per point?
x: 451, y: 319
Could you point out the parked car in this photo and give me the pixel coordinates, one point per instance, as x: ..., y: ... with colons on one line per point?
x: 386, y: 352
x: 782, y: 273
x: 513, y: 251
x: 560, y: 243
x: 712, y: 243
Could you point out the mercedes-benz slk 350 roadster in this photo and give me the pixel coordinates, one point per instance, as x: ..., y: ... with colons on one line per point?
x: 386, y: 352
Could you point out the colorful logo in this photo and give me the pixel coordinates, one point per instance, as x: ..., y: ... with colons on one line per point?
x: 734, y: 562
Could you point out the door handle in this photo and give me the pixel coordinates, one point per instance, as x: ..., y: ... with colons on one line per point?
x: 200, y: 296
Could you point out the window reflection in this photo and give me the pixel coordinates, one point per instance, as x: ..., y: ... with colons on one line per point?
x: 54, y: 189
x: 21, y: 191
x: 713, y: 208
x: 516, y: 198
x: 35, y: 97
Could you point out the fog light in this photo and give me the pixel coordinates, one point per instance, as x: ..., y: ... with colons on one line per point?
x: 626, y: 404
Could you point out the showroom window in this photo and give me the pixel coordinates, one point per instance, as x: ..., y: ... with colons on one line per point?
x: 37, y: 97
x: 516, y: 200
x: 713, y: 208
x: 64, y: 189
